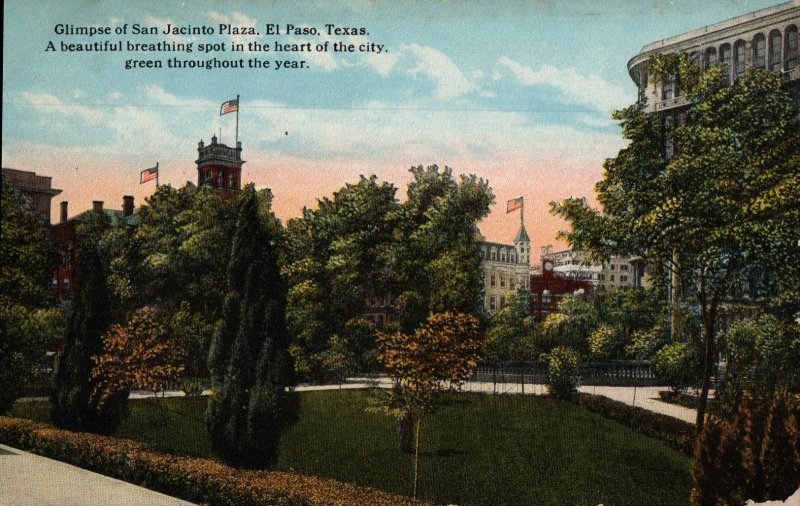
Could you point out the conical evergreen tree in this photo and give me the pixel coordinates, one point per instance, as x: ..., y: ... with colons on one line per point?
x: 72, y: 404
x: 248, y: 359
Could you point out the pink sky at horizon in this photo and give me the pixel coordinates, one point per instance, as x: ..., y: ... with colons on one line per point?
x: 539, y: 182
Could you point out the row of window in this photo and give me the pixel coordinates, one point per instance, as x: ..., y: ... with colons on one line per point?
x: 495, y: 279
x: 775, y: 52
x: 218, y: 181
x: 504, y: 256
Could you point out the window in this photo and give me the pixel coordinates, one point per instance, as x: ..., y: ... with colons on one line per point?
x: 512, y: 258
x: 775, y: 46
x: 502, y: 302
x: 502, y: 280
x: 512, y: 282
x: 739, y: 51
x: 623, y: 267
x: 667, y: 87
x: 493, y: 303
x: 710, y: 57
x: 231, y: 180
x: 612, y: 278
x: 483, y: 254
x: 494, y: 255
x: 66, y: 286
x: 791, y: 47
x: 623, y: 279
x: 760, y: 51
x: 725, y: 59
x: 67, y: 260
x: 493, y: 282
x: 612, y: 267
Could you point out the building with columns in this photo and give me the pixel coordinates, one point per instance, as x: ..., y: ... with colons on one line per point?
x: 767, y: 39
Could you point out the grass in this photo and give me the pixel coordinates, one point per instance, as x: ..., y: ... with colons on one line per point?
x: 476, y: 450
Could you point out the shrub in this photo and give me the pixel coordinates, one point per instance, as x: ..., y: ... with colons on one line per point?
x: 196, y: 480
x: 676, y: 365
x: 676, y: 433
x: 562, y: 372
x: 602, y: 342
x: 762, y: 356
x: 754, y: 455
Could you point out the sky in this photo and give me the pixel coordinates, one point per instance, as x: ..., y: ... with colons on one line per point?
x: 519, y: 93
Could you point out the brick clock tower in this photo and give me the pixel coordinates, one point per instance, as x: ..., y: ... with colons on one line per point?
x: 220, y: 167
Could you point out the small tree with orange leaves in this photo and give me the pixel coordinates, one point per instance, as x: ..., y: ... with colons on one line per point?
x: 438, y: 357
x: 139, y: 355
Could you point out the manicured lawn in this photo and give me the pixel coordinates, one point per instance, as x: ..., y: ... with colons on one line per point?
x: 477, y: 449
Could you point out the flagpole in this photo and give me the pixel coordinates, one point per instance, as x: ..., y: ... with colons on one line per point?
x: 522, y: 212
x: 156, y: 175
x: 237, y: 121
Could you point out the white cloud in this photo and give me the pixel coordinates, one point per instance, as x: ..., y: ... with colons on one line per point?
x: 162, y: 97
x: 51, y: 104
x: 574, y: 86
x: 438, y: 67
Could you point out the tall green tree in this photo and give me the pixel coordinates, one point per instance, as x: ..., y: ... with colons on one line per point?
x: 71, y: 403
x: 249, y: 359
x: 728, y: 202
x: 29, y: 317
x: 435, y: 254
x: 176, y: 257
x: 338, y: 258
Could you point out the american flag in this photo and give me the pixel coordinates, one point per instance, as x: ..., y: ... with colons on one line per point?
x: 148, y: 174
x: 514, y: 204
x: 229, y: 106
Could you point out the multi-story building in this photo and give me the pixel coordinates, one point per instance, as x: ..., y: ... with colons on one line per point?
x: 766, y: 39
x: 506, y: 268
x: 37, y: 190
x: 616, y: 273
x: 65, y: 234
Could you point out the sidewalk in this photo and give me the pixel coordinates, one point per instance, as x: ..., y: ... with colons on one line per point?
x: 643, y: 397
x: 31, y: 480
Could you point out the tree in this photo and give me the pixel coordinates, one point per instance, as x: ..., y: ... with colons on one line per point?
x: 723, y: 212
x: 72, y: 405
x: 435, y: 257
x: 249, y: 360
x: 138, y: 355
x: 29, y: 318
x: 439, y: 356
x: 175, y: 256
x: 338, y: 258
x: 508, y: 335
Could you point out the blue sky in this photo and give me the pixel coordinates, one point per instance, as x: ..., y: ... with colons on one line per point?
x: 519, y: 92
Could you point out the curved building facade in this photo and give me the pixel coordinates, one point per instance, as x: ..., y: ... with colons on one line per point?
x: 767, y: 39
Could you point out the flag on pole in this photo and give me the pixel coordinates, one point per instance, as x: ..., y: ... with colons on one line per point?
x: 148, y: 175
x: 514, y: 204
x: 229, y: 106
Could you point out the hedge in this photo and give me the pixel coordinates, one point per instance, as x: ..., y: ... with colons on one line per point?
x: 676, y: 433
x: 197, y: 480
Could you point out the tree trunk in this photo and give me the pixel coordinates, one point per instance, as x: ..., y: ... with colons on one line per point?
x: 416, y: 455
x: 709, y: 318
x: 406, y: 429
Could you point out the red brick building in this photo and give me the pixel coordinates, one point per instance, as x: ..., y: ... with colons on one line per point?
x: 220, y: 166
x: 64, y: 235
x: 549, y: 288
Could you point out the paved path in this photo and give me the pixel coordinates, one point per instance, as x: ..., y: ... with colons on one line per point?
x: 643, y: 397
x: 31, y: 480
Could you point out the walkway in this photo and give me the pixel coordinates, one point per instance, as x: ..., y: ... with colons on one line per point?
x: 643, y: 397
x: 31, y: 480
